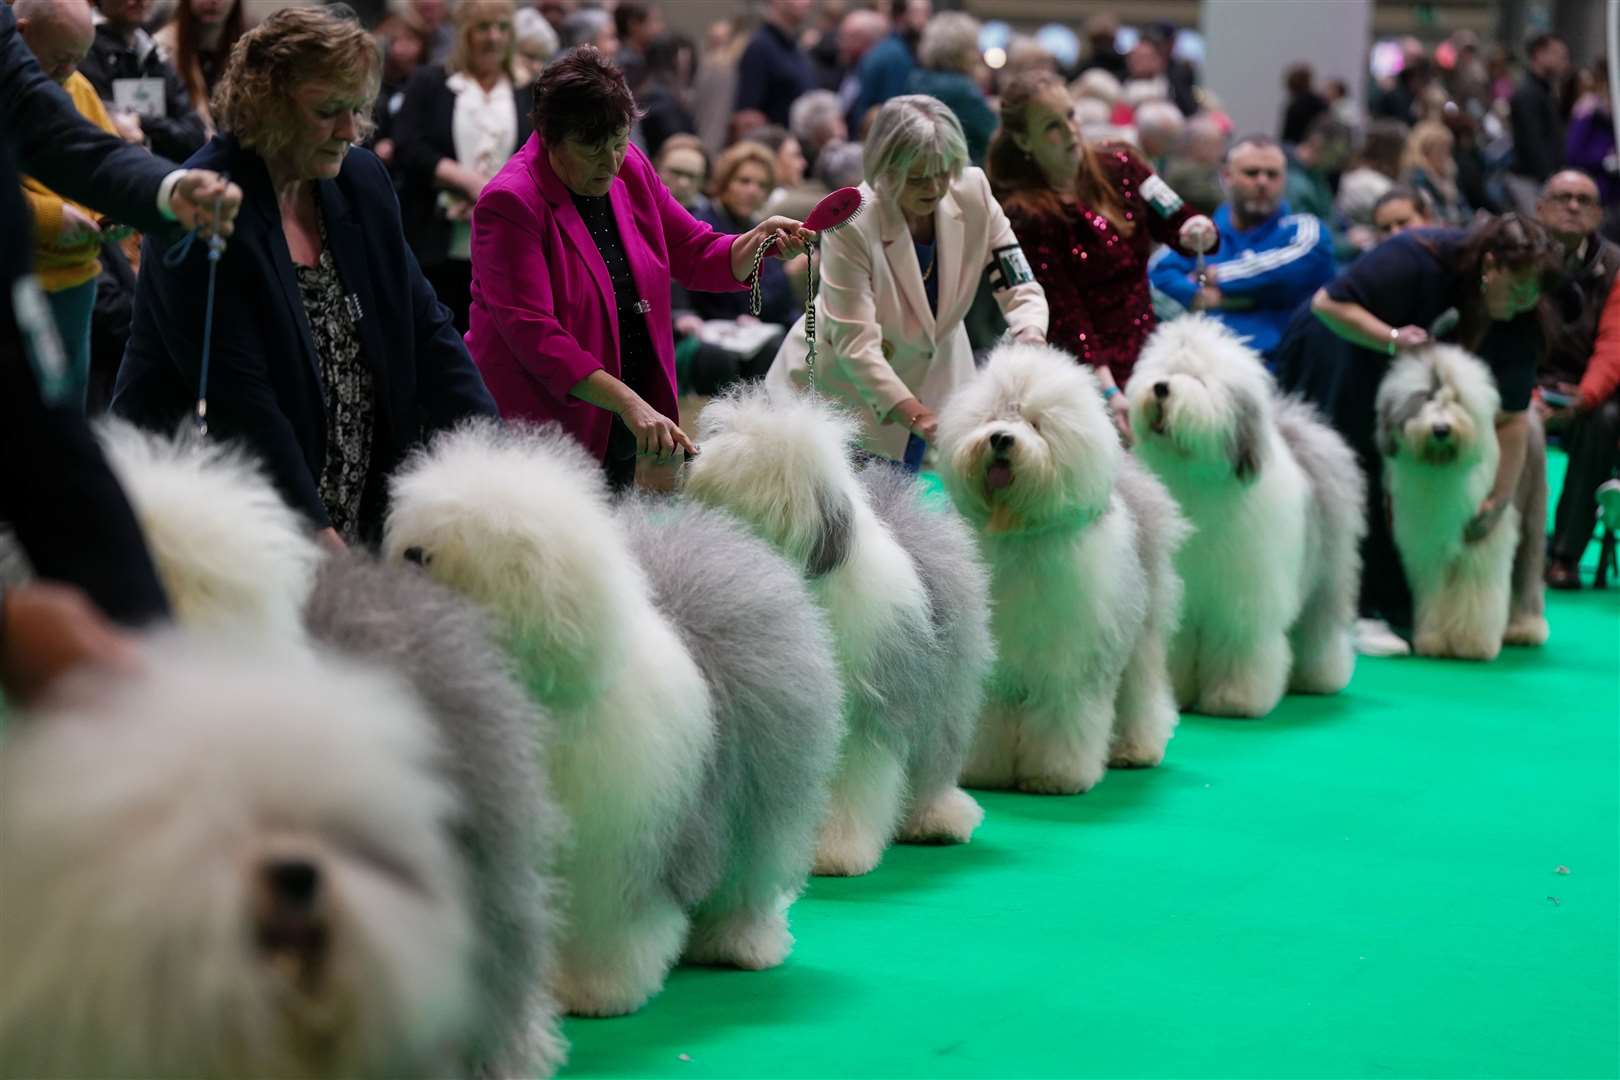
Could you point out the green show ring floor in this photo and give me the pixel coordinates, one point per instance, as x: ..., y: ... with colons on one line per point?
x: 1364, y: 885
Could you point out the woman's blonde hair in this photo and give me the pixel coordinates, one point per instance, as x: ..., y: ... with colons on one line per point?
x: 908, y: 129
x: 950, y: 42
x: 290, y: 49
x: 1427, y: 134
x: 735, y: 157
x: 467, y: 15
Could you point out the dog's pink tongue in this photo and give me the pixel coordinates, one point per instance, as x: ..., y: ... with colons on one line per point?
x: 998, y: 475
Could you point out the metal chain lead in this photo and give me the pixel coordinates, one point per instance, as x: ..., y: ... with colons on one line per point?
x: 812, y: 286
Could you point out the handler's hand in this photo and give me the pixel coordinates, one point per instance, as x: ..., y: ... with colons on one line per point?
x: 1481, y: 524
x: 791, y: 237
x: 1198, y: 233
x: 657, y: 435
x: 193, y: 202
x: 47, y: 630
x: 1410, y: 337
x: 918, y: 418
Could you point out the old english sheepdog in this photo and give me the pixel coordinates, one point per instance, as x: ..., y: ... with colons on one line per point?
x: 1437, y: 411
x: 911, y: 651
x: 260, y: 567
x: 693, y: 803
x: 232, y: 555
x: 1275, y: 499
x: 232, y: 863
x: 1081, y: 543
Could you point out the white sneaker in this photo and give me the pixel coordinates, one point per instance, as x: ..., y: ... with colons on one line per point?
x: 1375, y: 638
x: 1608, y: 500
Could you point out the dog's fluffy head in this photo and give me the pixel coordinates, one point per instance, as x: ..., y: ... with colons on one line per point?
x: 1028, y: 442
x: 781, y: 463
x: 518, y: 519
x: 1199, y: 390
x: 229, y: 865
x: 231, y: 553
x: 1437, y: 405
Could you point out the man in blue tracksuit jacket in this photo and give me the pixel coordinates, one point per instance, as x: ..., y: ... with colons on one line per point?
x: 1269, y: 261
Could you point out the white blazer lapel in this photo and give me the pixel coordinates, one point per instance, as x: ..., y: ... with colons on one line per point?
x: 949, y: 258
x: 901, y: 256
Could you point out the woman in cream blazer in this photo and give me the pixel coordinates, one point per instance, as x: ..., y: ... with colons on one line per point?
x: 897, y: 281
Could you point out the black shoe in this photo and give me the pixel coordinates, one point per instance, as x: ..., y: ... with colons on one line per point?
x: 1561, y: 575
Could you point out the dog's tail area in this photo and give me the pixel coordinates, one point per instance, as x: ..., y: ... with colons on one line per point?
x: 1529, y: 560
x: 1338, y: 517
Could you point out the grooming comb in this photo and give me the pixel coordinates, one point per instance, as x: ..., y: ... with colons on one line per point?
x: 831, y: 214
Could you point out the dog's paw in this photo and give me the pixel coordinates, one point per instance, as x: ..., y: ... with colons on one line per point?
x: 845, y: 858
x: 1054, y: 783
x: 949, y: 818
x: 1232, y: 701
x: 599, y: 993
x: 1528, y: 630
x: 741, y: 940
x: 1133, y: 755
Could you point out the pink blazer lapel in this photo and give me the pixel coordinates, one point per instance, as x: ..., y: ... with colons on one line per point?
x: 573, y: 227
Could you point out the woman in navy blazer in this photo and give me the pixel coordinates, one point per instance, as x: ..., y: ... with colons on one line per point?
x: 331, y: 356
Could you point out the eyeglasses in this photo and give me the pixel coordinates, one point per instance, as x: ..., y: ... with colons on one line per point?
x: 1578, y: 198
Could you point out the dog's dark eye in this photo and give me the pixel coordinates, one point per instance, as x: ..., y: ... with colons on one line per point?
x: 418, y: 556
x: 1035, y: 422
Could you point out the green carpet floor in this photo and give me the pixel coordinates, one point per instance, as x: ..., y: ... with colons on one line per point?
x: 1368, y: 885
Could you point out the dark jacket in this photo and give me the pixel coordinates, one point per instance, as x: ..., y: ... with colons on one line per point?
x: 1578, y: 303
x: 422, y: 138
x: 963, y: 97
x: 264, y: 384
x: 56, y: 492
x: 1538, y: 129
x: 178, y: 133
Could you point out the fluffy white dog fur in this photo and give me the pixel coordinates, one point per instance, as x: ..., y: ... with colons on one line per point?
x: 784, y: 466
x: 231, y: 864
x: 1275, y: 499
x: 520, y: 521
x: 233, y: 556
x: 262, y: 581
x: 1437, y: 430
x: 1081, y: 543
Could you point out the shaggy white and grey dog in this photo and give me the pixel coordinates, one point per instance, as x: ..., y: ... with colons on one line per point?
x: 693, y: 687
x: 261, y: 580
x: 1275, y: 498
x: 912, y: 651
x: 232, y: 863
x: 233, y: 556
x: 1437, y: 412
x: 1081, y: 543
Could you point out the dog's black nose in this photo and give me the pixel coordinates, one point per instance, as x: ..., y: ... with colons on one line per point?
x: 294, y: 883
x: 1000, y: 441
x: 1161, y: 390
x: 1442, y: 431
x: 416, y: 555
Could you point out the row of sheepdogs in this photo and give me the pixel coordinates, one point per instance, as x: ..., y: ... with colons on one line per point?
x: 393, y: 816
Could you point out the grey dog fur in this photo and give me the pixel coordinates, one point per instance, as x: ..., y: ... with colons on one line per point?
x: 1338, y: 516
x: 948, y: 683
x: 766, y: 652
x: 395, y: 616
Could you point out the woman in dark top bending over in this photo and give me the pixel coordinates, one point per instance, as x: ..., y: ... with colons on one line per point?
x: 1478, y: 288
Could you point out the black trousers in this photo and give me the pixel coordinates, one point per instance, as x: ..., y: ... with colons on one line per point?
x: 1593, y: 445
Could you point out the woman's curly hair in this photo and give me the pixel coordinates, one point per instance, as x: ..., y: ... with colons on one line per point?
x: 293, y: 47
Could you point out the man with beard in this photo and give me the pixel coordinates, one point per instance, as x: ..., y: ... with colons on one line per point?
x: 1270, y: 260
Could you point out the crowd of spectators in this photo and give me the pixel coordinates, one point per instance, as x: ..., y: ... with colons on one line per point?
x: 764, y: 116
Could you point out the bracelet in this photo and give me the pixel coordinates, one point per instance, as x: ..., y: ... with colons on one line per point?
x: 1393, y: 333
x: 1109, y: 392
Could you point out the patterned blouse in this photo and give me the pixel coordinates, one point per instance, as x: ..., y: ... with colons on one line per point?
x: 346, y: 385
x: 1094, y: 276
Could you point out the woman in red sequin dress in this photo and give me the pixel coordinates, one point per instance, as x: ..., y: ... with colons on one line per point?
x: 1087, y: 218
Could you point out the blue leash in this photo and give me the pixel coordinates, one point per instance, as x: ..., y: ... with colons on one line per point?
x: 177, y: 255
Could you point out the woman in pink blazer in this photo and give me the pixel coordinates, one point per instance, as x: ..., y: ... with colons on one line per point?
x: 574, y: 244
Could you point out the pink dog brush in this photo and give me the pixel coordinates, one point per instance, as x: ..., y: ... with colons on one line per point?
x: 831, y: 214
